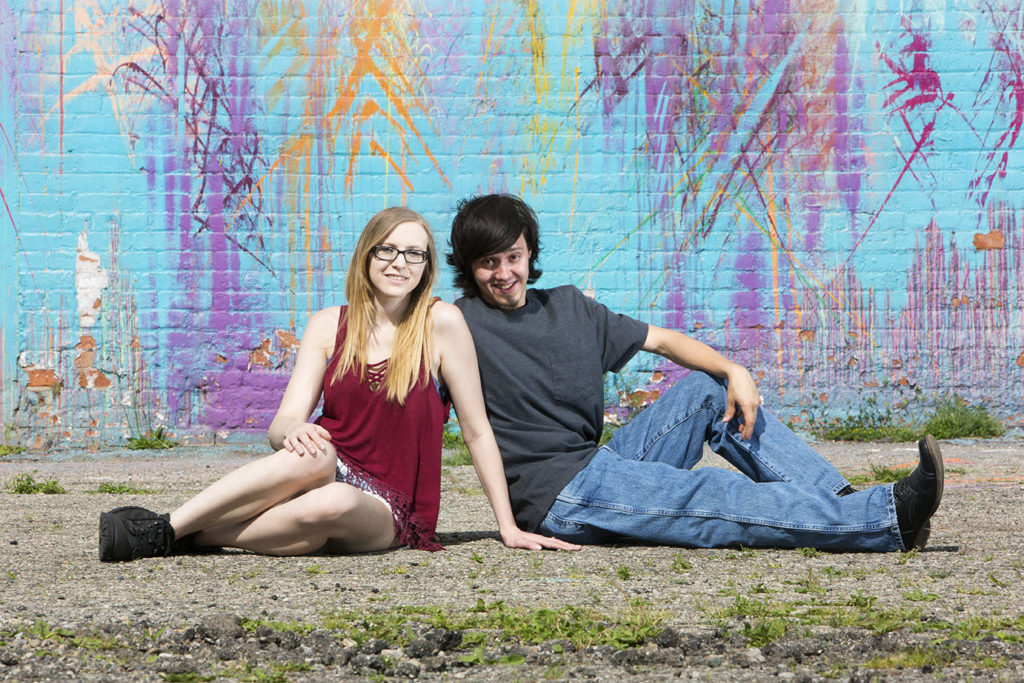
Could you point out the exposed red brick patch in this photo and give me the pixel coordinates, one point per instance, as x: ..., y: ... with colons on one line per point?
x: 806, y: 335
x: 657, y: 376
x: 136, y: 344
x: 261, y: 356
x: 91, y: 378
x: 86, y: 343
x: 287, y: 339
x: 41, y: 379
x: 1020, y: 360
x: 989, y: 240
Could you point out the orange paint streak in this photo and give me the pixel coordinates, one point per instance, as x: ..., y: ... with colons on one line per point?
x: 382, y: 153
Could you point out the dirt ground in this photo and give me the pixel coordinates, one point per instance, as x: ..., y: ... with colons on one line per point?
x: 951, y: 611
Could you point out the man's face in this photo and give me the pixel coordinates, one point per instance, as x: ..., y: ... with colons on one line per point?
x: 502, y: 277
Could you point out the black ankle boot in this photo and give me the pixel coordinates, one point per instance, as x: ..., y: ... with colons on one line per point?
x: 918, y: 495
x: 130, y: 532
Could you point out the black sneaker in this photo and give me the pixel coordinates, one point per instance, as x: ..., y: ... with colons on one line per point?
x: 130, y: 532
x: 918, y: 495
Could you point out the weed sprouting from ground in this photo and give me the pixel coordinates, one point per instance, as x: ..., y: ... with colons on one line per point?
x: 8, y: 449
x: 951, y: 418
x: 879, y: 475
x: 495, y: 623
x: 121, y: 488
x: 913, y: 658
x: 954, y: 418
x: 451, y: 440
x: 27, y: 484
x: 870, y: 423
x: 152, y: 440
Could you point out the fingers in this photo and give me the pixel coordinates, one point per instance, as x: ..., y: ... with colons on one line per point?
x: 307, y: 439
x: 527, y: 541
x: 749, y: 418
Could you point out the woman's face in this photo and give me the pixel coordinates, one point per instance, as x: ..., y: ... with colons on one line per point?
x: 396, y: 279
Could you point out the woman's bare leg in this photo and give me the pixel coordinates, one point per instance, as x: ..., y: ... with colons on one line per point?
x: 253, y: 488
x: 337, y: 515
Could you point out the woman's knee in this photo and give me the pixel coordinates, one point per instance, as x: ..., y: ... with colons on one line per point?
x: 329, y: 504
x: 319, y: 467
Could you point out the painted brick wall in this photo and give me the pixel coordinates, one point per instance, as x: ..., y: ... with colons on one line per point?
x: 829, y: 192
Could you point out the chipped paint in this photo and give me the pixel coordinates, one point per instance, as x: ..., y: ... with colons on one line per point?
x: 989, y: 240
x: 90, y: 281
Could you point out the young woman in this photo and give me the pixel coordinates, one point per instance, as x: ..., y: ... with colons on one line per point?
x: 365, y: 475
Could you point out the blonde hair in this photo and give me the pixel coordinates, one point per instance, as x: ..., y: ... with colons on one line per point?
x: 411, y: 350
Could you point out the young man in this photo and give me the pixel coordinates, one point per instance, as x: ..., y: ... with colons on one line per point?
x: 543, y: 354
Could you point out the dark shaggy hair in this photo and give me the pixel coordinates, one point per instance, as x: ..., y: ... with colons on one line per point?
x: 488, y: 224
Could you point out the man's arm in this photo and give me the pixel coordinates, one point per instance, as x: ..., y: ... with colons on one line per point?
x: 743, y: 396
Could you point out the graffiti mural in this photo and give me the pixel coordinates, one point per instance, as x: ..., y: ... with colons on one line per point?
x: 829, y: 193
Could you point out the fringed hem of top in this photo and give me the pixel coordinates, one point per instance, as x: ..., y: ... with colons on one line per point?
x: 410, y: 532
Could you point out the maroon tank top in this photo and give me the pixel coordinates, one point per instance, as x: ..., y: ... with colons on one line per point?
x: 398, y: 447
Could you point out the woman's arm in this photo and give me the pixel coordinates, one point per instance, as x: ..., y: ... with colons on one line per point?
x: 290, y: 429
x: 459, y: 371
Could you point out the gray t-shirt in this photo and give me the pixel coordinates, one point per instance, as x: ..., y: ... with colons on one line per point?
x: 542, y: 367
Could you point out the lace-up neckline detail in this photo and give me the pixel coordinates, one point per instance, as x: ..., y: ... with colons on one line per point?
x: 375, y: 373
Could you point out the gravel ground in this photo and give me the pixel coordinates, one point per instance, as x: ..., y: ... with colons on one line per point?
x: 950, y: 611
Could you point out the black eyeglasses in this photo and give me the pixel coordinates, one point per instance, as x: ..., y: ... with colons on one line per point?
x: 412, y: 256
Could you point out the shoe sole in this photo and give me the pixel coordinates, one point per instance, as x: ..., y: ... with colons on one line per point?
x: 921, y: 540
x: 106, y: 542
x: 932, y: 446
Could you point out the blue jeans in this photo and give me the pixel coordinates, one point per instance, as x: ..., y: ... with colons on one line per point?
x: 642, y: 485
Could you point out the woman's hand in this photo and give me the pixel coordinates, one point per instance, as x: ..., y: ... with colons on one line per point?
x: 306, y: 438
x: 517, y: 538
x: 742, y: 399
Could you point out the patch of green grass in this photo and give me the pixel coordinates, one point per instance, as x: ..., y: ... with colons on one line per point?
x: 981, y: 627
x: 954, y: 418
x: 623, y: 573
x: 294, y: 626
x: 121, y: 488
x: 26, y: 483
x: 151, y: 440
x: 918, y: 595
x: 8, y: 449
x: 451, y: 440
x: 870, y: 423
x: 913, y: 658
x: 680, y: 564
x: 496, y: 623
x: 951, y: 418
x: 879, y: 475
x: 760, y: 633
x: 766, y: 618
